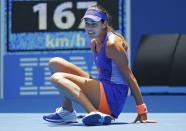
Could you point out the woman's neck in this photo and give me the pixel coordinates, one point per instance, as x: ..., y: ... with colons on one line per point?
x: 101, y: 38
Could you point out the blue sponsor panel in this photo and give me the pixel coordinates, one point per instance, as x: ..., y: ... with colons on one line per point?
x: 28, y: 75
x: 47, y: 29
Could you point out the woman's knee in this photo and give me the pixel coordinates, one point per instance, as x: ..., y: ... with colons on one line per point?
x: 55, y: 64
x: 56, y: 77
x: 55, y: 61
x: 59, y: 79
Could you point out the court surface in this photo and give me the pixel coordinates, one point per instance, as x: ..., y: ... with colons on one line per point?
x: 26, y: 115
x: 34, y: 122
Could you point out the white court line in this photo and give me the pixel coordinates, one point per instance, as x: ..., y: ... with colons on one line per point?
x: 128, y: 27
x: 128, y: 34
x: 2, y: 49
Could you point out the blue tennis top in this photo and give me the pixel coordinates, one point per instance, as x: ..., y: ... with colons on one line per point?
x: 115, y: 85
x: 106, y: 67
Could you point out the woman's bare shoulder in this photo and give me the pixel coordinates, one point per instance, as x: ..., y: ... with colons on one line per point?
x: 116, y: 41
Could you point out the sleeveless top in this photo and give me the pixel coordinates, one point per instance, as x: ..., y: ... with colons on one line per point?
x: 114, y: 83
x: 106, y: 66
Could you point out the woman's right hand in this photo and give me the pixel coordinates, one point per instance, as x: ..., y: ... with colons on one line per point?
x: 142, y: 118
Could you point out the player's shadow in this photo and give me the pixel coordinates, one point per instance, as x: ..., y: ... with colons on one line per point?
x: 119, y: 123
x: 81, y: 124
x: 64, y: 124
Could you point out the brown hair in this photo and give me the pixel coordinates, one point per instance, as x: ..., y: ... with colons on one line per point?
x: 102, y: 9
x: 109, y: 21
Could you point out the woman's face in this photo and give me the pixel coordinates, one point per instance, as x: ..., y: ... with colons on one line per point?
x: 93, y: 28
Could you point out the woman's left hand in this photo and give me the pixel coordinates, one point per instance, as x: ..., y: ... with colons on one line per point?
x: 143, y: 119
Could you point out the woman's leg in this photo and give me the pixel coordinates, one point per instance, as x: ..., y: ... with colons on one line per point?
x: 80, y: 89
x: 76, y: 85
x: 57, y: 64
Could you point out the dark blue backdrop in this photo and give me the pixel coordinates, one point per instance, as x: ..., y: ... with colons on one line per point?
x: 155, y: 17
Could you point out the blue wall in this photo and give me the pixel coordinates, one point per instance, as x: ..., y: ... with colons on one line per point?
x: 156, y: 17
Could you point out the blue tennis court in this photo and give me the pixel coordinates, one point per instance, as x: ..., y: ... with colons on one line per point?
x: 33, y: 121
x: 20, y: 115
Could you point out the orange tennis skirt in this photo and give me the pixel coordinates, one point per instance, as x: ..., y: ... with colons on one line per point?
x: 103, y: 106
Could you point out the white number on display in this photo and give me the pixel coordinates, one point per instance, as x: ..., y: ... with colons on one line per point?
x: 63, y: 17
x: 41, y: 8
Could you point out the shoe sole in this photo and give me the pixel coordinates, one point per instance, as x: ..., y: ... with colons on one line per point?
x: 94, y: 119
x: 59, y: 121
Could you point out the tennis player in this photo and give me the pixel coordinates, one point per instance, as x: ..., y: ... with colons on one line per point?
x: 102, y: 98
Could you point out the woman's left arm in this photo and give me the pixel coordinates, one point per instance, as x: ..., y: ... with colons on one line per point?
x: 117, y: 52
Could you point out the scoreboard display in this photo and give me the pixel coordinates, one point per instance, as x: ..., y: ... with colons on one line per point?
x: 42, y: 25
x: 37, y: 30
